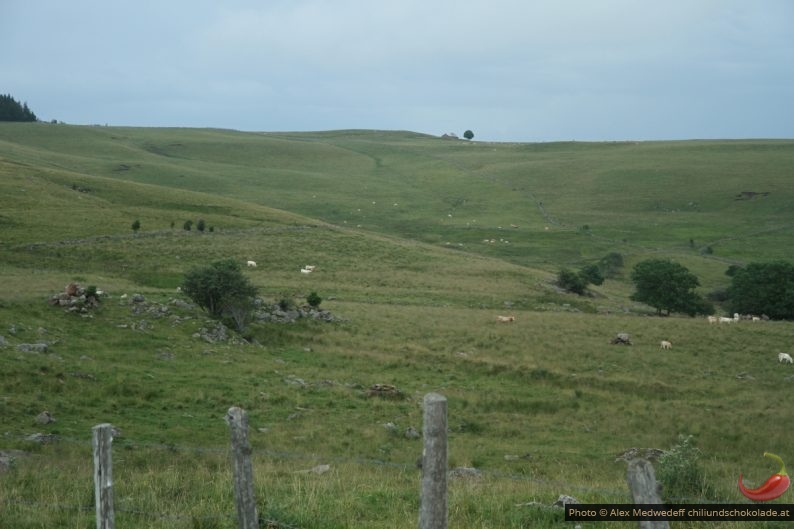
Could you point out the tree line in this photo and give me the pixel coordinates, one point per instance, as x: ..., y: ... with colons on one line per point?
x: 13, y: 110
x: 758, y: 288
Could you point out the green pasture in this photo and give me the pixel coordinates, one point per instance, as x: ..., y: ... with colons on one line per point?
x: 396, y: 224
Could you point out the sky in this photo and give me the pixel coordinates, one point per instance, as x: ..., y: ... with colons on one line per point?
x: 508, y: 70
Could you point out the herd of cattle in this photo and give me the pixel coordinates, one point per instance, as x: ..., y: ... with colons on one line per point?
x: 664, y: 344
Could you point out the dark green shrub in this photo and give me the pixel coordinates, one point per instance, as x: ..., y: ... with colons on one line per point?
x: 314, y: 300
x: 220, y: 288
x: 571, y: 281
x: 611, y: 264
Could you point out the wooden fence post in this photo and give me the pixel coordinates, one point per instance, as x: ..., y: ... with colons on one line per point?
x: 645, y: 490
x: 103, y: 476
x: 242, y: 469
x: 433, y: 507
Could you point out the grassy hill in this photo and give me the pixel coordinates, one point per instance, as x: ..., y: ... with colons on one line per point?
x: 396, y: 223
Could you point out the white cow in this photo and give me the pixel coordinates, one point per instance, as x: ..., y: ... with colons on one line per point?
x: 505, y: 319
x: 784, y: 358
x: 666, y: 345
x: 251, y: 264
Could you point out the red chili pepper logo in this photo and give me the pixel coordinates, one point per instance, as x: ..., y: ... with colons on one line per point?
x: 775, y: 486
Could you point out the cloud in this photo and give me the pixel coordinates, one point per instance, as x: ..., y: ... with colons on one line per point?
x: 514, y: 69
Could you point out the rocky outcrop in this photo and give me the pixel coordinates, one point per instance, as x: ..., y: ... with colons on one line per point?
x: 75, y: 298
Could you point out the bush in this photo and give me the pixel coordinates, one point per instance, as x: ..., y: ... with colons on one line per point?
x: 188, y: 225
x: 681, y: 475
x: 611, y: 264
x: 136, y: 225
x: 314, y: 300
x: 572, y: 281
x: 201, y: 225
x: 592, y: 274
x: 221, y: 289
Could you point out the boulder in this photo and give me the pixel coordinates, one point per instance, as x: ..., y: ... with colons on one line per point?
x: 32, y: 347
x: 622, y: 338
x: 71, y: 289
x: 45, y: 417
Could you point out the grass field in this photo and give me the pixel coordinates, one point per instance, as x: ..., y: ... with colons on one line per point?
x: 396, y: 224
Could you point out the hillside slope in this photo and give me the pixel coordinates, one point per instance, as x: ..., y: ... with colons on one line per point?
x: 708, y: 203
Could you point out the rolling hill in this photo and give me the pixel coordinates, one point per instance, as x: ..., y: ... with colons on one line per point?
x: 400, y: 227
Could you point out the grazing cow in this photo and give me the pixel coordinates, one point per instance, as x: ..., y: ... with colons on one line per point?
x: 723, y: 319
x: 305, y: 271
x: 666, y: 345
x: 712, y: 319
x: 251, y: 264
x: 784, y: 358
x: 505, y: 319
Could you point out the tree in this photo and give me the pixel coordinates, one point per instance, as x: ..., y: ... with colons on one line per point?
x: 201, y: 225
x: 592, y: 274
x: 221, y: 289
x: 668, y: 286
x: 763, y: 288
x: 468, y: 135
x: 136, y: 225
x: 572, y: 281
x: 12, y: 110
x: 188, y: 225
x: 576, y: 282
x: 610, y: 264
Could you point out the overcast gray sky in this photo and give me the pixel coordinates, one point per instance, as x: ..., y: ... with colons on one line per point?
x: 510, y: 70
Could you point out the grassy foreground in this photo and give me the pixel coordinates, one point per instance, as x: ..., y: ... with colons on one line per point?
x: 542, y: 406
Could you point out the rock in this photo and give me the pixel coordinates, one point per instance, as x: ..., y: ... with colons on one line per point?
x: 564, y: 500
x: 319, y: 469
x: 32, y: 347
x: 411, y: 433
x: 181, y: 304
x: 622, y: 338
x: 42, y: 438
x: 8, y: 457
x: 3, y: 342
x: 464, y: 472
x: 138, y: 298
x: 386, y: 391
x: 45, y: 417
x: 71, y: 289
x: 391, y: 427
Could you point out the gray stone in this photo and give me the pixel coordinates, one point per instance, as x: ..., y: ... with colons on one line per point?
x: 45, y: 417
x: 32, y: 347
x: 564, y: 500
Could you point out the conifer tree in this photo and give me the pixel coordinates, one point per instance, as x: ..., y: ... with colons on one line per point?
x: 12, y: 110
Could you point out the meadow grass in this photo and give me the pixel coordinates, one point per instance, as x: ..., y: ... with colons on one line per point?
x: 543, y: 406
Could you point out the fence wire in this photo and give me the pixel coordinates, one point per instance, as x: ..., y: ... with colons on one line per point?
x: 288, y: 455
